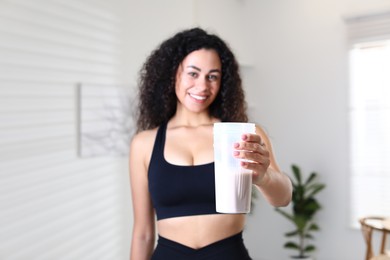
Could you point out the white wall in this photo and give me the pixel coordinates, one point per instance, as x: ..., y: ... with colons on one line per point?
x: 147, y: 24
x: 54, y: 204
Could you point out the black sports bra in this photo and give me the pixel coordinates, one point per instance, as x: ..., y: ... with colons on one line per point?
x: 178, y: 190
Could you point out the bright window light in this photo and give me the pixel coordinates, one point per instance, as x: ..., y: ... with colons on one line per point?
x: 369, y: 115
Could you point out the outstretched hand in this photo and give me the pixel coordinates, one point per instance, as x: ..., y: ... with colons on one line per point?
x: 255, y: 155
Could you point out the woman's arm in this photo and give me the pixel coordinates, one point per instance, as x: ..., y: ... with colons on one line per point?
x: 275, y: 186
x: 143, y: 237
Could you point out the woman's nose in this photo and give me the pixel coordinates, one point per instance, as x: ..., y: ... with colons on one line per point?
x: 202, y: 84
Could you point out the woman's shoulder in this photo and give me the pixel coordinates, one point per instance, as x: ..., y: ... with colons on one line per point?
x: 141, y: 145
x: 144, y: 137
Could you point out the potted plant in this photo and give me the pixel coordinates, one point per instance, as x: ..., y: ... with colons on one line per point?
x: 304, y: 207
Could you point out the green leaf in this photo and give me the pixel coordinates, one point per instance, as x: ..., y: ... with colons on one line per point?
x: 312, y: 176
x: 309, y: 248
x: 297, y: 174
x: 291, y: 245
x: 285, y: 214
x: 306, y: 208
x: 300, y: 222
x: 314, y: 190
x: 292, y: 233
x: 313, y: 227
x: 309, y: 236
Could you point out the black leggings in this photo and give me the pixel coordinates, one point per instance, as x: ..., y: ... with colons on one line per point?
x: 231, y: 248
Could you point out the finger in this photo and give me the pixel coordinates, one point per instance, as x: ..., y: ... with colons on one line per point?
x: 249, y: 146
x: 256, y: 168
x: 255, y: 138
x: 251, y: 138
x: 252, y: 147
x: 251, y: 156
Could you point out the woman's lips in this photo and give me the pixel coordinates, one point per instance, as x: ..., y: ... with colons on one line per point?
x: 197, y: 97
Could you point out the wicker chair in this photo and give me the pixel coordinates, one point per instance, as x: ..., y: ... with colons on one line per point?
x: 369, y: 225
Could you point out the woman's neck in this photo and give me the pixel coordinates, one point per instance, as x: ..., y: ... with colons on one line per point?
x: 191, y: 119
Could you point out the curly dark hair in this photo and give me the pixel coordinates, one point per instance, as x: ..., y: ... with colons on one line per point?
x: 157, y: 98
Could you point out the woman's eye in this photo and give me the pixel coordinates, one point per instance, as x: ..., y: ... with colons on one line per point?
x: 193, y: 74
x: 212, y: 77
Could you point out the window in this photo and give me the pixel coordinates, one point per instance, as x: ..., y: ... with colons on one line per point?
x: 369, y: 114
x: 370, y: 129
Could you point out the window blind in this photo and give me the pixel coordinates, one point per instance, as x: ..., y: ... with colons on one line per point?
x: 369, y: 27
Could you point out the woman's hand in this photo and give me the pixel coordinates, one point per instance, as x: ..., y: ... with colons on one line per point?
x: 253, y: 149
x: 272, y: 183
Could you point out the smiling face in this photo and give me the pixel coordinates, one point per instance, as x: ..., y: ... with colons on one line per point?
x: 198, y: 80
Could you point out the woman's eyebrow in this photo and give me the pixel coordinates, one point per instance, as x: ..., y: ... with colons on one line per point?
x: 198, y: 69
x: 194, y: 67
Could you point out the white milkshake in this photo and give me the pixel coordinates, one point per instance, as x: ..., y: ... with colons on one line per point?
x: 233, y: 184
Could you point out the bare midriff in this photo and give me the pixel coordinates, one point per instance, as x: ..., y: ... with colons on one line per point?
x: 201, y: 230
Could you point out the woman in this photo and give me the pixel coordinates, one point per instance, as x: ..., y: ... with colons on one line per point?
x: 188, y: 83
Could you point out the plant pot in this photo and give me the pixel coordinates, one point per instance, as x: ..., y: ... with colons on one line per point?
x: 302, y: 258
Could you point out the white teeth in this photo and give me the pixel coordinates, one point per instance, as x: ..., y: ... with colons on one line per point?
x: 198, y: 97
